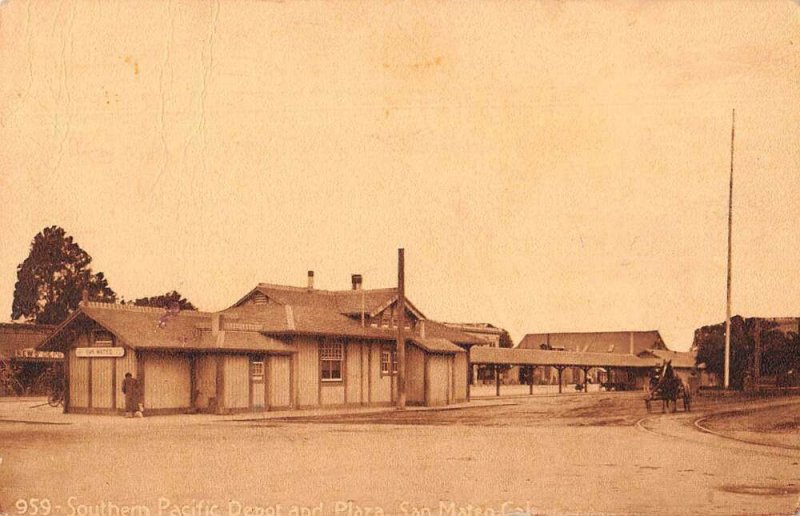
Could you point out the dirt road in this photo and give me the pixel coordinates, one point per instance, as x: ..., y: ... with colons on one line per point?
x: 577, y: 453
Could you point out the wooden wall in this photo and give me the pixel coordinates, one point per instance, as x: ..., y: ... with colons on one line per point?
x: 279, y: 378
x: 102, y: 376
x: 438, y: 384
x: 381, y: 384
x: 365, y: 380
x: 237, y: 381
x: 460, y: 373
x: 290, y: 380
x: 205, y: 380
x: 353, y: 371
x: 78, y: 380
x: 166, y: 381
x: 308, y: 390
x: 415, y: 375
x: 103, y: 387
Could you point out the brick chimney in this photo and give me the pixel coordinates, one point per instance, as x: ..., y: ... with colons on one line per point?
x: 357, y: 280
x: 310, y: 280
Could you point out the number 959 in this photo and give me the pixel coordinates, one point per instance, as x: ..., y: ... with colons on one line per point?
x: 34, y: 506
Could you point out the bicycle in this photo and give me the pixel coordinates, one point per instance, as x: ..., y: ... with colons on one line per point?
x: 56, y: 396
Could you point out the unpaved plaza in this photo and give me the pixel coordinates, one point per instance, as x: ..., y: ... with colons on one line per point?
x: 545, y: 454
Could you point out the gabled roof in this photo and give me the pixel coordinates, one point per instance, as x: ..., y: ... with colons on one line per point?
x: 274, y: 319
x: 249, y: 327
x: 138, y: 328
x: 18, y: 336
x: 596, y: 342
x: 348, y: 302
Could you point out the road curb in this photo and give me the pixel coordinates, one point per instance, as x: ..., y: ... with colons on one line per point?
x: 699, y: 426
x: 33, y: 422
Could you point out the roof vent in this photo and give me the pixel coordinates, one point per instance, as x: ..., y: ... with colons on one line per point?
x: 259, y: 298
x: 357, y: 281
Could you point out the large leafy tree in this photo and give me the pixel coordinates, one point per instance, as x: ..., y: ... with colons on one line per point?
x: 779, y: 351
x: 710, y: 344
x: 166, y: 301
x: 51, y: 280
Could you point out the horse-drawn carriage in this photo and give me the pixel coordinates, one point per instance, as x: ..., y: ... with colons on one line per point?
x: 666, y: 386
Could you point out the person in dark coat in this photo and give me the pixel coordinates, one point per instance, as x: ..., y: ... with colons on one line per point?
x: 130, y: 388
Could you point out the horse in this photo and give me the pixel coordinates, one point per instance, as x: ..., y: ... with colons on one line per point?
x: 667, y: 387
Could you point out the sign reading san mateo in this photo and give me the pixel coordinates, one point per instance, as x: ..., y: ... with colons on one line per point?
x: 98, y: 352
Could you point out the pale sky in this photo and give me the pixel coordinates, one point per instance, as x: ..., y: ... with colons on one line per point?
x: 547, y: 166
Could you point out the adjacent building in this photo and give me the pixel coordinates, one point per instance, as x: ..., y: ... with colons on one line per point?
x: 18, y: 342
x: 491, y: 336
x: 629, y: 343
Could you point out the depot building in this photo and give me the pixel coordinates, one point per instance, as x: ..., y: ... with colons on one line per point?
x: 278, y: 347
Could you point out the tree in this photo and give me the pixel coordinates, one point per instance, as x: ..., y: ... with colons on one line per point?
x: 710, y: 344
x: 51, y: 280
x: 779, y: 351
x: 165, y: 301
x: 505, y: 340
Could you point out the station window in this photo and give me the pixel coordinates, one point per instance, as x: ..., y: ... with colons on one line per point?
x: 388, y: 359
x: 331, y: 356
x: 102, y: 338
x: 257, y: 370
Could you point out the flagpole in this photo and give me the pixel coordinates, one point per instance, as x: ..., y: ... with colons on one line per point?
x: 730, y: 225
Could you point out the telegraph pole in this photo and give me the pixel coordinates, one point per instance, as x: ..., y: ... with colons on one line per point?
x: 401, y: 326
x: 730, y: 224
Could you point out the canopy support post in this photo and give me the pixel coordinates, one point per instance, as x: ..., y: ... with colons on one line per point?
x: 586, y: 379
x: 530, y: 379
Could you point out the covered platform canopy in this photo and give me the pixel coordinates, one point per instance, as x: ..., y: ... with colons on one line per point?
x: 484, y: 355
x: 560, y: 360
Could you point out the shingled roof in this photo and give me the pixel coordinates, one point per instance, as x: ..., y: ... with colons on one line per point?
x: 138, y: 328
x: 245, y: 328
x: 301, y: 310
x: 277, y: 319
x: 347, y: 302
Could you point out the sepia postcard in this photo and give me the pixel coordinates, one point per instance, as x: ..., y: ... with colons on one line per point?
x: 421, y: 258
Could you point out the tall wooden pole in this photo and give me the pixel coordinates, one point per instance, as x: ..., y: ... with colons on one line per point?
x: 730, y: 225
x: 401, y: 323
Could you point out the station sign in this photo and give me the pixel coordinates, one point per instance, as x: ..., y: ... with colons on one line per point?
x: 98, y: 352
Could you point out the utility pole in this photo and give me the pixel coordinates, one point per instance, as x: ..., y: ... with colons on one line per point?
x: 730, y: 224
x: 401, y: 326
